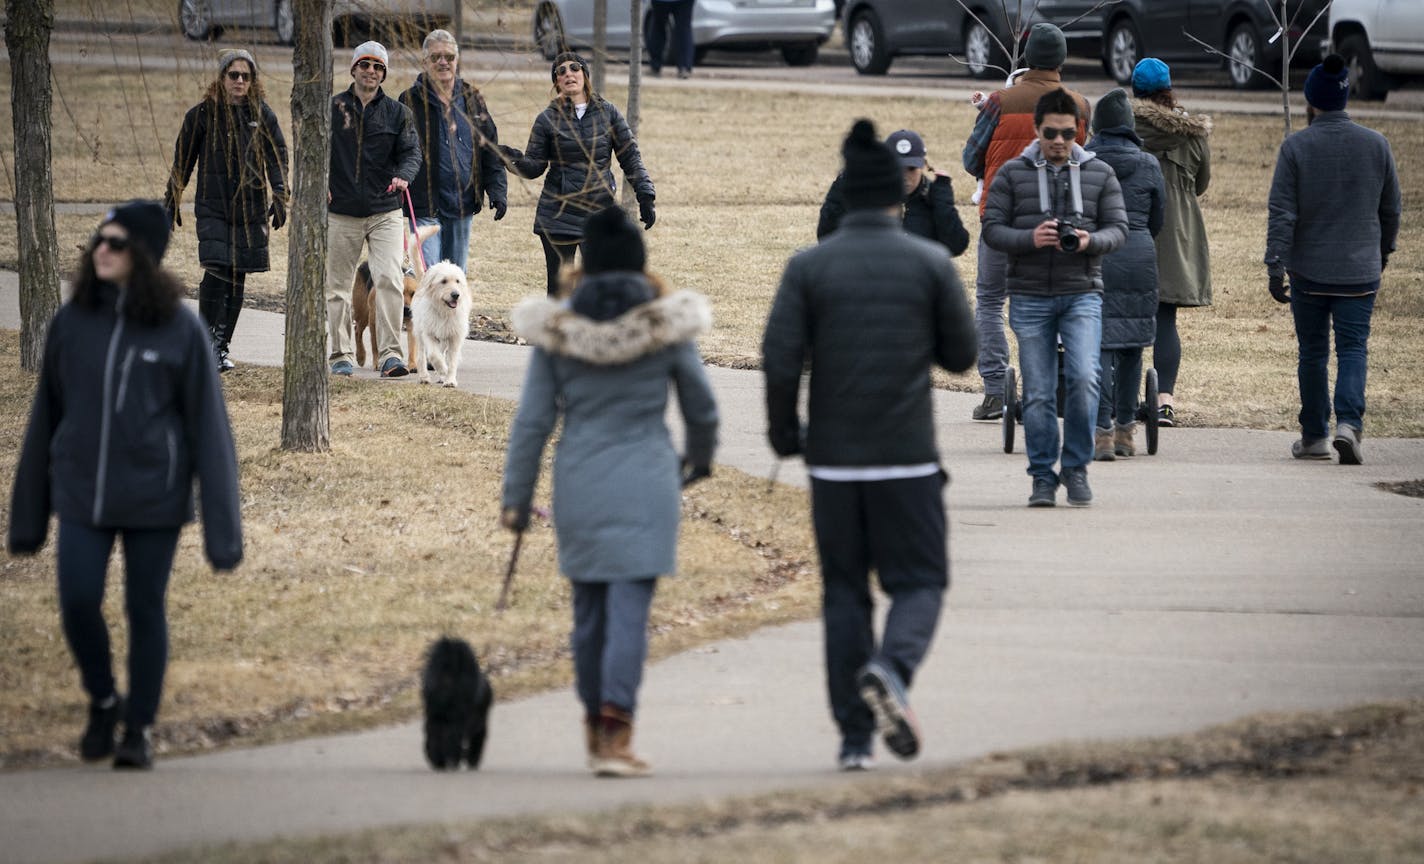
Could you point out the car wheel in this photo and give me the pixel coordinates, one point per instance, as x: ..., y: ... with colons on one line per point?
x: 867, y: 45
x: 1244, y: 51
x: 803, y: 54
x: 195, y: 18
x: 1366, y: 80
x: 548, y: 31
x: 1122, y: 51
x: 982, y: 52
x: 286, y: 23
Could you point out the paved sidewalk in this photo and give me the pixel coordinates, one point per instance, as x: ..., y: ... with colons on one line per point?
x: 1213, y: 580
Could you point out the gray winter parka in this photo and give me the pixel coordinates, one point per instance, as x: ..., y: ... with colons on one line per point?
x: 1130, y: 273
x: 617, y: 478
x: 578, y: 154
x: 1012, y: 211
x: 1179, y: 141
x: 126, y: 416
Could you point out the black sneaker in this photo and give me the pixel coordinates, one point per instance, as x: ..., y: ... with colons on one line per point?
x: 225, y: 363
x: 992, y: 408
x: 393, y: 368
x: 98, y: 740
x: 135, y: 751
x: 1075, y: 480
x: 882, y: 691
x: 1045, y: 492
x: 1166, y: 416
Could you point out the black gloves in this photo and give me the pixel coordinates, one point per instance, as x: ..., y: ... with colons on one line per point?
x: 170, y: 203
x: 510, y: 153
x: 646, y: 214
x: 499, y: 206
x: 787, y: 442
x: 692, y: 472
x: 1276, y: 281
x: 1384, y: 261
x: 278, y: 212
x: 516, y: 518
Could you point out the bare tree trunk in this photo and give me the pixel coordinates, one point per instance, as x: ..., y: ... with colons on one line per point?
x: 635, y: 85
x: 600, y: 42
x: 1285, y: 70
x: 28, y: 24
x: 306, y: 419
x: 457, y: 21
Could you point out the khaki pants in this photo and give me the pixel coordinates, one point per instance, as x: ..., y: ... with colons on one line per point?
x: 383, y: 235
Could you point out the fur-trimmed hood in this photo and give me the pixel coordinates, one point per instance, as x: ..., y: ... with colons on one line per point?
x: 642, y: 330
x: 1173, y: 121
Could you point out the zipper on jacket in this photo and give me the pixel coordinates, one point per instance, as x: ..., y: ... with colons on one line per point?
x: 124, y: 370
x: 172, y: 458
x: 105, y: 421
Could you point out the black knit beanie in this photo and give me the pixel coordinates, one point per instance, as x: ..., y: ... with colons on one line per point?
x: 147, y: 224
x: 612, y: 242
x: 1327, y: 87
x: 873, y: 176
x: 1113, y: 111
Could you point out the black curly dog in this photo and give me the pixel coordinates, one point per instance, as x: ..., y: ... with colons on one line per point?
x: 457, y: 698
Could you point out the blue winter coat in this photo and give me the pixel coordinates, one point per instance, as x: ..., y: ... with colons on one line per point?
x: 1130, y: 273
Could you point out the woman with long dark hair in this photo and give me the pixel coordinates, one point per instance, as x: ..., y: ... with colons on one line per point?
x: 233, y: 139
x: 576, y: 140
x: 128, y: 412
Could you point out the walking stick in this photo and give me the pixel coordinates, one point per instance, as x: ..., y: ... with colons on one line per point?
x: 503, y: 602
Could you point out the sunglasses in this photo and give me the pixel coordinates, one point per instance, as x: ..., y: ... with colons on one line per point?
x: 370, y: 64
x: 114, y: 242
x: 234, y: 75
x: 568, y: 67
x: 442, y: 58
x: 1049, y: 133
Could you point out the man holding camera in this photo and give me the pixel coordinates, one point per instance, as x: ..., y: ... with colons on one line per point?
x: 1054, y: 211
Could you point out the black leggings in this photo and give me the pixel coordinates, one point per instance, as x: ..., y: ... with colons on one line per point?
x: 558, y: 253
x: 1167, y: 352
x: 220, y: 302
x: 83, y: 556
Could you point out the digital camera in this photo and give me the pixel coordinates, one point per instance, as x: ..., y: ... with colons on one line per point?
x: 1068, y: 239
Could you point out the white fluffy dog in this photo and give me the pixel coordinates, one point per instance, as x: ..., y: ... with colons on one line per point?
x: 440, y: 315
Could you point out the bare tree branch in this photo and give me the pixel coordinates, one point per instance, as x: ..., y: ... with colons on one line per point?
x: 1222, y: 54
x: 1310, y: 26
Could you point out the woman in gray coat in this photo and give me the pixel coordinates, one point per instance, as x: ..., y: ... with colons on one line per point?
x: 604, y: 360
x: 1129, y: 275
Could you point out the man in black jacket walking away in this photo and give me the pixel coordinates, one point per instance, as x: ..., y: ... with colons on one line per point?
x: 872, y: 308
x: 374, y: 156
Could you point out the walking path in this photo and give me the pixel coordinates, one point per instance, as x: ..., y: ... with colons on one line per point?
x: 1215, y: 579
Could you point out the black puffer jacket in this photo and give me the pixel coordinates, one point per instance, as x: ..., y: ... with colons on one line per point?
x: 369, y: 146
x: 1130, y: 273
x: 929, y: 212
x: 873, y: 308
x: 125, y: 417
x: 578, y: 154
x: 1013, y: 210
x: 239, y: 156
x: 487, y: 173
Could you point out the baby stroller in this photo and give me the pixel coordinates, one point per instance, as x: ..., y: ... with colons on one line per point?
x: 1013, y: 408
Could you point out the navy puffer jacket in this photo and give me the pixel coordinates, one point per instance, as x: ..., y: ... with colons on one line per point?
x: 1130, y: 273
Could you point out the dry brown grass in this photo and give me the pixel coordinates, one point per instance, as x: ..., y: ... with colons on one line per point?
x: 736, y: 197
x: 1343, y: 786
x: 356, y: 559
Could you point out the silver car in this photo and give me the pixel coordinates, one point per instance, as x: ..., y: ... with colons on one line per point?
x: 797, y: 27
x: 205, y: 19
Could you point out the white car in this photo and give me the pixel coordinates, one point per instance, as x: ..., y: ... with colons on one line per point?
x: 797, y: 27
x: 1382, y: 42
x: 206, y: 19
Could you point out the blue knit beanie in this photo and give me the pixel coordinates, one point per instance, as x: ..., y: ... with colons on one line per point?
x: 1149, y: 76
x: 1327, y: 87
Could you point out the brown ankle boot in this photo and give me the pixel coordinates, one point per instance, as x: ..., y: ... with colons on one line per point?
x: 1102, y: 445
x: 614, y: 754
x: 591, y: 725
x: 1122, y: 440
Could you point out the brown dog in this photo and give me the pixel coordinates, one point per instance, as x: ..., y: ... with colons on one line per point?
x: 363, y: 311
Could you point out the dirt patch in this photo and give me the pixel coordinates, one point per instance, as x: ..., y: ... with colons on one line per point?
x: 1411, y: 488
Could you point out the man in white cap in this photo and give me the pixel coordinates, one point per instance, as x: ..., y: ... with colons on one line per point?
x: 374, y: 155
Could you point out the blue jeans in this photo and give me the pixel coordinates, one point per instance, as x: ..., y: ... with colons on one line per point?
x: 1039, y: 323
x: 610, y: 642
x: 1314, y: 314
x: 1117, y: 385
x: 451, y: 244
x: 989, y: 293
x: 83, y: 558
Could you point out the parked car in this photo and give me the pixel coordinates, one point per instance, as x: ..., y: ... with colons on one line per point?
x: 797, y: 27
x: 1382, y: 42
x: 977, y: 31
x: 206, y: 19
x: 1244, y: 30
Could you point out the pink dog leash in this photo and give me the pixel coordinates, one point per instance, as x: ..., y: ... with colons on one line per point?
x: 414, y: 232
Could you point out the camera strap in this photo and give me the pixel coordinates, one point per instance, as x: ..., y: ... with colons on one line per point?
x: 1075, y: 185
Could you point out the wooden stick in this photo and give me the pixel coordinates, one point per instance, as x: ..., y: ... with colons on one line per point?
x: 503, y: 602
